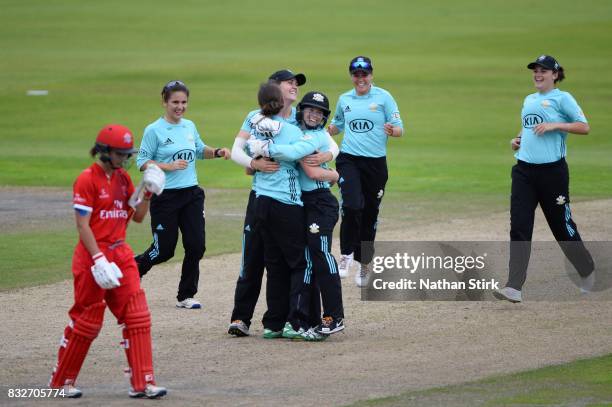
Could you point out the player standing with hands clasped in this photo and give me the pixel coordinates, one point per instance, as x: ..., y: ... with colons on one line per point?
x: 103, y: 265
x: 173, y: 143
x: 541, y: 176
x: 368, y: 115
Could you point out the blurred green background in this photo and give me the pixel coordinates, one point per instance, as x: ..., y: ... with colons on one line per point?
x: 456, y: 69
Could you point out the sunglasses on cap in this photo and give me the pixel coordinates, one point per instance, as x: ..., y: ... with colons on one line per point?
x: 361, y: 65
x: 173, y: 84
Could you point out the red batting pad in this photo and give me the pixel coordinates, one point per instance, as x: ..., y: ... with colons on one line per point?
x: 75, y: 344
x: 137, y: 341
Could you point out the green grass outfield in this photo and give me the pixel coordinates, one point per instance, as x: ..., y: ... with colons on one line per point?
x: 456, y: 69
x: 585, y: 382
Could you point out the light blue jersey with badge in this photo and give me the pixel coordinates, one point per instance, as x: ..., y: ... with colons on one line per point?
x: 362, y: 119
x: 312, y: 140
x: 248, y: 127
x: 282, y: 185
x: 165, y: 142
x: 552, y: 107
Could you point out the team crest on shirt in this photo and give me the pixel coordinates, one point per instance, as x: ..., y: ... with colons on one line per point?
x: 546, y: 103
x: 373, y: 107
x: 396, y: 115
x: 190, y: 138
x: 561, y: 200
x: 314, y: 228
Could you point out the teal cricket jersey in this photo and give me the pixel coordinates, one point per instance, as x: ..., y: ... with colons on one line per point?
x: 312, y: 140
x: 165, y: 142
x: 362, y: 119
x: 555, y: 106
x: 282, y: 185
x: 248, y: 127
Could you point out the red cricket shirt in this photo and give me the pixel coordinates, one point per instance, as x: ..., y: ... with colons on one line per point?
x: 107, y: 201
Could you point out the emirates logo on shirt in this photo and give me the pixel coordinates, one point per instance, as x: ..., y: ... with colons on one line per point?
x: 117, y: 213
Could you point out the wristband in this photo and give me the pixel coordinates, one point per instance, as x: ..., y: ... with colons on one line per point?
x: 217, y: 152
x: 97, y: 256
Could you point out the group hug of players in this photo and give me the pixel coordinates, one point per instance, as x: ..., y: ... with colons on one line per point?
x: 288, y: 227
x: 291, y: 212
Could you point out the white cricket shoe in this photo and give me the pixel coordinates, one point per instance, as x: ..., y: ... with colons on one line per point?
x: 189, y: 303
x: 72, y: 392
x: 363, y: 275
x: 508, y: 294
x: 150, y: 391
x: 587, y: 283
x: 346, y: 261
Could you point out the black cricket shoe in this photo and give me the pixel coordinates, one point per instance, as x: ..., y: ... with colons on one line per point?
x: 329, y: 326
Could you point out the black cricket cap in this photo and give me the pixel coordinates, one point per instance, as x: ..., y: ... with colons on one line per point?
x: 361, y: 63
x: 286, y: 74
x: 546, y: 62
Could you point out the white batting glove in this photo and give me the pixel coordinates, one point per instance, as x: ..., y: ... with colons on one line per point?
x: 259, y: 148
x: 106, y: 274
x: 266, y: 126
x: 154, y: 179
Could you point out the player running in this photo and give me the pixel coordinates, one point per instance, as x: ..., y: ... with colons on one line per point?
x: 173, y: 143
x: 541, y: 176
x: 103, y: 266
x: 368, y: 115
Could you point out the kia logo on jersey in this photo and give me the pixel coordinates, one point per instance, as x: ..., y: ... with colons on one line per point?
x: 187, y: 155
x: 361, y: 125
x: 532, y: 120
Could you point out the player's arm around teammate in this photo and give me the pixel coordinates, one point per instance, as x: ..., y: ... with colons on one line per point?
x: 321, y: 208
x: 248, y: 284
x: 103, y: 265
x: 173, y: 143
x: 368, y: 116
x: 541, y: 176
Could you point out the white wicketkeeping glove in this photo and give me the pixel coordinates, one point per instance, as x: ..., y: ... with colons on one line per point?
x: 106, y: 274
x: 265, y: 126
x: 154, y: 179
x: 259, y: 148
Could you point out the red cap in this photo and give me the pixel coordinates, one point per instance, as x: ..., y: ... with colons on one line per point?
x: 117, y: 137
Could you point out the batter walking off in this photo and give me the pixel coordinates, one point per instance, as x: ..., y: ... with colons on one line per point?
x: 103, y: 266
x: 541, y: 176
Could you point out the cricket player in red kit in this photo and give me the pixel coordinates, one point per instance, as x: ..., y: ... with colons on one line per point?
x: 103, y: 266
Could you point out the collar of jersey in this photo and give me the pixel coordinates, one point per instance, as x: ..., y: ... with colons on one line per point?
x: 372, y: 91
x: 172, y: 124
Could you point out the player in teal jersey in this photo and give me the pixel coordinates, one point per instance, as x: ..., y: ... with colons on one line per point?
x: 248, y: 284
x: 321, y: 209
x: 541, y: 177
x: 173, y: 143
x: 368, y: 115
x: 277, y: 213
